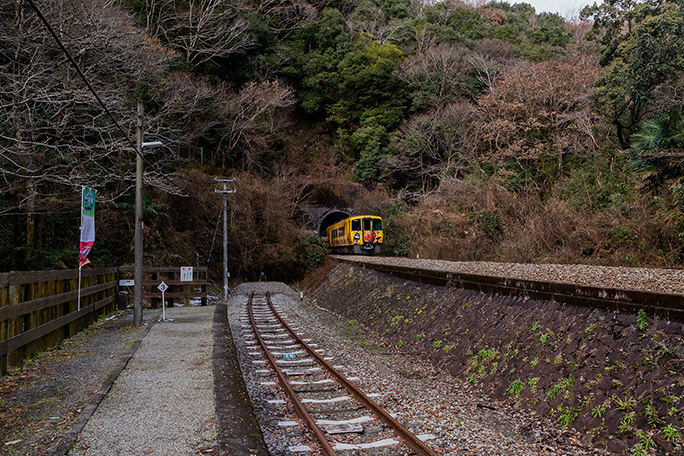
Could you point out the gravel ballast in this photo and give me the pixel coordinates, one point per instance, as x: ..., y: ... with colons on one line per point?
x: 163, y: 402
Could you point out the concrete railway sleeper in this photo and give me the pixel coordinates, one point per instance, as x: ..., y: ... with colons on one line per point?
x: 289, y: 355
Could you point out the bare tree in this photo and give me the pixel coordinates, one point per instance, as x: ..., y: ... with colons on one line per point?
x: 436, y: 73
x: 541, y: 109
x: 54, y: 135
x: 254, y: 114
x: 286, y: 16
x: 371, y: 20
x: 202, y: 30
x: 434, y: 146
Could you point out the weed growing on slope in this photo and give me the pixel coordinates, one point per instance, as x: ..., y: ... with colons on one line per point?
x: 568, y: 416
x: 599, y: 410
x: 642, y: 320
x: 627, y: 404
x: 671, y: 433
x: 533, y: 384
x: 626, y: 422
x: 515, y: 388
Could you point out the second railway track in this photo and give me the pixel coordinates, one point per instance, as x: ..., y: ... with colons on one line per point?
x: 668, y: 305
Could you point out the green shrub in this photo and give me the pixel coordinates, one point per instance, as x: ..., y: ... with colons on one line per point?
x: 516, y: 387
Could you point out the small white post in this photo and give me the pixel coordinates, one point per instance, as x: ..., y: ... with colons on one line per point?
x: 162, y: 287
x: 79, y: 287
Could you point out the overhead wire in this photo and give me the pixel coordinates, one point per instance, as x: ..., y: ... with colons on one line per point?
x: 211, y: 249
x: 83, y: 76
x: 111, y: 116
x: 104, y: 107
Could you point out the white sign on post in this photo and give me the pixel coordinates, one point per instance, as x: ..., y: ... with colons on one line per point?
x: 186, y: 274
x: 163, y: 287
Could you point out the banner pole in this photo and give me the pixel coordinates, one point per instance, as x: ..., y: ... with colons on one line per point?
x: 79, y: 287
x: 79, y: 261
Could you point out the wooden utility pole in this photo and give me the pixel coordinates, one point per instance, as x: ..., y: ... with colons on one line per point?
x: 225, y: 192
x: 138, y: 257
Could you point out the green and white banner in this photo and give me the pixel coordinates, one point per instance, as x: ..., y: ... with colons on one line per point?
x: 87, y: 225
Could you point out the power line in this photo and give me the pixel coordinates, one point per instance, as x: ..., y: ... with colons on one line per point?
x: 104, y: 107
x: 211, y: 249
x: 83, y: 76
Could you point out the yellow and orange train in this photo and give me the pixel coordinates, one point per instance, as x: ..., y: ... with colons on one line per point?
x: 359, y: 234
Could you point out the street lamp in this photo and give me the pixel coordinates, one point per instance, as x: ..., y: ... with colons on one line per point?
x: 138, y: 256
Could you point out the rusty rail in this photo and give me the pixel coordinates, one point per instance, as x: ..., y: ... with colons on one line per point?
x: 298, y: 405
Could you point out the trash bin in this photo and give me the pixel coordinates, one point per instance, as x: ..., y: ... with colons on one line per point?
x: 122, y: 302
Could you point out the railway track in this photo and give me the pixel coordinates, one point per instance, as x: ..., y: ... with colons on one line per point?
x: 667, y: 306
x: 337, y: 413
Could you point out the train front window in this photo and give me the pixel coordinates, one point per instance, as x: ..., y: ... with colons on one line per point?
x: 356, y: 225
x: 366, y: 224
x: 377, y: 225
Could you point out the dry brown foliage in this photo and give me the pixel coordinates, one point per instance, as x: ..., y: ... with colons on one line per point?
x: 435, y: 145
x: 484, y: 221
x: 541, y: 109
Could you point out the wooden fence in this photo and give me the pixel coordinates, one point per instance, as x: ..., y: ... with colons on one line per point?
x: 38, y: 309
x: 152, y: 277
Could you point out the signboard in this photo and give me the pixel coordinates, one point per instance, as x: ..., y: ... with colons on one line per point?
x: 163, y: 287
x: 289, y: 355
x: 126, y: 283
x: 186, y: 274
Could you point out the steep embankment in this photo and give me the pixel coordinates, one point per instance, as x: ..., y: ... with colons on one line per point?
x: 615, y: 376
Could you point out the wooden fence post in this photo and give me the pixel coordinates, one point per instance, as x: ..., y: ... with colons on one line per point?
x: 14, y: 327
x: 4, y: 301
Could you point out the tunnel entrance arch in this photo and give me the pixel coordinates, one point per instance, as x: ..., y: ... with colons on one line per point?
x: 331, y: 218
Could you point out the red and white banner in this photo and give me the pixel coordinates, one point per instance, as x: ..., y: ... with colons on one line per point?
x: 87, y: 225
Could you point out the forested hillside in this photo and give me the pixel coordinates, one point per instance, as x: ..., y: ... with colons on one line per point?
x: 479, y: 130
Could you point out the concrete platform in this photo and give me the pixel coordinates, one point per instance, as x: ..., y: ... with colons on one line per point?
x: 163, y: 402
x: 172, y: 387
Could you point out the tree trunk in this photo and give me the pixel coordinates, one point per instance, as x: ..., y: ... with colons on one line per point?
x: 16, y: 240
x: 30, y: 223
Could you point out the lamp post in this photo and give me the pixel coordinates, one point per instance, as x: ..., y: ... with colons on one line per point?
x: 138, y: 255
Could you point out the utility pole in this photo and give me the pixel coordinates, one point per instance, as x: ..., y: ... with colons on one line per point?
x: 225, y: 192
x: 138, y: 255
